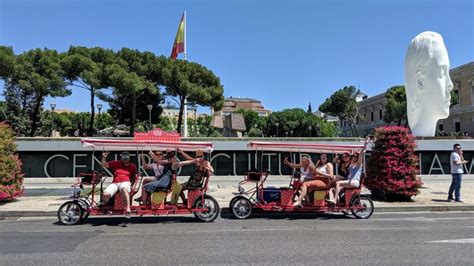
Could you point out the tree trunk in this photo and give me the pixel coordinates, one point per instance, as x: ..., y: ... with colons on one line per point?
x: 134, y: 113
x: 181, y: 111
x: 34, y: 118
x: 91, y: 120
x: 399, y: 121
x: 355, y: 127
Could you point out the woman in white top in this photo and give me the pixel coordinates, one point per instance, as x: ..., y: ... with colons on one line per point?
x: 157, y: 156
x: 323, y: 175
x: 353, y: 178
x: 306, y: 167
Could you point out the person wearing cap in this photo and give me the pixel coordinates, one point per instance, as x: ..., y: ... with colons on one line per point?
x: 124, y: 173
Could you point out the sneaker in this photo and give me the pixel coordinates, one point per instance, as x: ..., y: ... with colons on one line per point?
x: 459, y: 201
x: 450, y: 199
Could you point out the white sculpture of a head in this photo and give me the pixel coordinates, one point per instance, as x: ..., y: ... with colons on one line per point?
x: 427, y: 83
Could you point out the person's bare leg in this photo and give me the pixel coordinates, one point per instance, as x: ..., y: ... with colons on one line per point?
x: 144, y: 195
x: 337, y: 190
x: 126, y: 199
x: 331, y: 195
x: 105, y: 198
x: 182, y: 196
x: 304, y: 190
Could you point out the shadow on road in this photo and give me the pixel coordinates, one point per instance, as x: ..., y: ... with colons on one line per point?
x: 122, y: 221
x: 440, y: 200
x: 259, y: 214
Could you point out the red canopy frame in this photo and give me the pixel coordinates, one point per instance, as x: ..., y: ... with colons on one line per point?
x: 304, y: 147
x: 115, y: 145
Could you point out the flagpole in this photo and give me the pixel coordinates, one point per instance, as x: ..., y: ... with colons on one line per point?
x: 185, y: 129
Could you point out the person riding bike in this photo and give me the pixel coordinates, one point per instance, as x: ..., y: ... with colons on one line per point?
x: 196, y: 180
x: 124, y: 173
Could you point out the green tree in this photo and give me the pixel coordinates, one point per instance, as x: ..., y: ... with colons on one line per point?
x: 342, y: 104
x: 121, y: 107
x: 7, y: 61
x: 84, y: 68
x: 128, y: 76
x: 194, y: 83
x: 252, y: 120
x: 37, y: 74
x: 396, y: 108
x: 310, y: 110
x: 298, y: 123
x: 3, y: 111
x: 166, y: 123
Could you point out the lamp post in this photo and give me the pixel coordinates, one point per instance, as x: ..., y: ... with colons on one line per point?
x: 277, y: 124
x: 310, y: 128
x: 291, y: 133
x: 99, y: 107
x: 149, y: 116
x: 53, y: 106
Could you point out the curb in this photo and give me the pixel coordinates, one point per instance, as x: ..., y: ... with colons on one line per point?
x: 225, y: 210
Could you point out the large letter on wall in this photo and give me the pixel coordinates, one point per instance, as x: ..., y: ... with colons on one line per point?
x: 440, y: 168
x: 49, y: 160
x: 74, y: 165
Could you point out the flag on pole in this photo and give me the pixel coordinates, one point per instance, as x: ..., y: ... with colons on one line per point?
x: 179, y: 45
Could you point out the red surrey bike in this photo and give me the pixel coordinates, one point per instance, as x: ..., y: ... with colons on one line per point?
x: 204, y: 207
x: 258, y: 196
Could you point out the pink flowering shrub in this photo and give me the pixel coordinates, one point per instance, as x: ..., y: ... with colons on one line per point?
x: 392, y: 167
x: 11, y: 178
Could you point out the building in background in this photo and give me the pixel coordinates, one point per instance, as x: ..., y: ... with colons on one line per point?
x: 172, y: 111
x: 461, y: 115
x: 328, y: 118
x: 232, y: 125
x: 232, y: 104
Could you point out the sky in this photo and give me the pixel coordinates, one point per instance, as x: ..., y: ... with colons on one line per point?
x: 285, y: 53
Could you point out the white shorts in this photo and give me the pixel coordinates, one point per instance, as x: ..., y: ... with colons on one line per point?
x: 114, y: 187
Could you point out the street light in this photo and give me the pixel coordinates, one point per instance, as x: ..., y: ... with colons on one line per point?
x: 149, y: 115
x: 53, y: 106
x: 292, y: 133
x: 310, y: 128
x: 99, y: 106
x: 277, y: 124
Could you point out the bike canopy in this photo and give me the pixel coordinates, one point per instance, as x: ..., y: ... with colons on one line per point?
x: 304, y: 147
x: 116, y: 145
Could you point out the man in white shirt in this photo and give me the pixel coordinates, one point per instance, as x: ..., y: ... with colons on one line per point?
x: 457, y: 163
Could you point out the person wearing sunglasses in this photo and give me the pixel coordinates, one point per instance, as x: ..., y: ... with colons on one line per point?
x: 158, y: 165
x: 203, y: 169
x: 353, y: 178
x: 457, y: 163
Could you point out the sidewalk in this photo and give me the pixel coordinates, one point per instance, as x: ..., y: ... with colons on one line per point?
x: 44, y: 196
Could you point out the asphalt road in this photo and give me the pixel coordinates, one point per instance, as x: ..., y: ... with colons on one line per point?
x: 386, y: 238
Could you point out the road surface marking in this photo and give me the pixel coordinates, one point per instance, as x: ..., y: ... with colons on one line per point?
x: 457, y: 241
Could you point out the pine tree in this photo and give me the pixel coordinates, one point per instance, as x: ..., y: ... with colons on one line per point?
x: 310, y: 111
x: 11, y: 178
